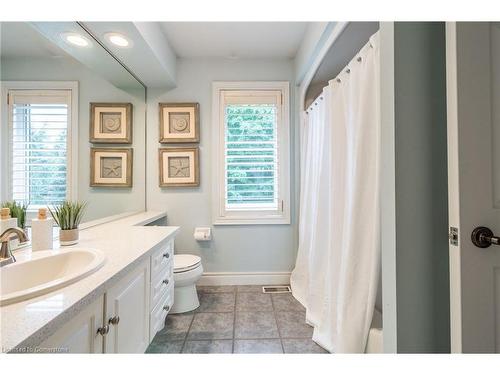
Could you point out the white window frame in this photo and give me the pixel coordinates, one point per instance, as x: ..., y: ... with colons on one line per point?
x: 220, y: 215
x: 72, y: 146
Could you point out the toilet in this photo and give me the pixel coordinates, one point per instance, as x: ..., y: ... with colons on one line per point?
x: 187, y: 271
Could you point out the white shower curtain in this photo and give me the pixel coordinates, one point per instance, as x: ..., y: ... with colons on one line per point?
x: 338, y: 260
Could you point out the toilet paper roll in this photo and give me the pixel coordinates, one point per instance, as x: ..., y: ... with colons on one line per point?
x: 202, y: 234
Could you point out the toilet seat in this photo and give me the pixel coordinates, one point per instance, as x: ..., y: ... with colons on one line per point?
x: 185, y: 262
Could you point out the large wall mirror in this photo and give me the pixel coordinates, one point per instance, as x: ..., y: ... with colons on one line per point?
x: 55, y: 144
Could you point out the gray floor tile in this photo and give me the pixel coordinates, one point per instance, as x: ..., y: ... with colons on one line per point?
x: 286, y: 302
x: 216, y: 289
x: 209, y: 346
x: 255, y: 331
x: 298, y: 346
x: 253, y: 302
x: 292, y: 324
x: 255, y: 325
x: 165, y: 347
x: 249, y: 288
x: 176, y: 327
x: 216, y: 302
x: 208, y: 326
x: 258, y: 346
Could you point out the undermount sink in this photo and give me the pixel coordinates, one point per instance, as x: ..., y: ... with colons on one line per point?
x: 47, y: 271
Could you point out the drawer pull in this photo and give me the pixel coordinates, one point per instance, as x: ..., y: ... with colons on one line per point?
x: 166, y: 307
x: 166, y: 255
x: 165, y: 281
x: 114, y: 320
x: 104, y: 330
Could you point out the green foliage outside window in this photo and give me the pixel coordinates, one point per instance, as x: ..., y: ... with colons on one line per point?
x: 251, y: 153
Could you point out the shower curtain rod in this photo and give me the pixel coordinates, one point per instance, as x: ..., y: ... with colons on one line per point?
x: 348, y: 70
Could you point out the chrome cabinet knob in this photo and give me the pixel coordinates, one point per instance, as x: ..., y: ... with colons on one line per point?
x: 114, y: 320
x: 165, y: 281
x: 104, y: 330
x: 483, y: 237
x: 166, y: 307
x: 166, y: 255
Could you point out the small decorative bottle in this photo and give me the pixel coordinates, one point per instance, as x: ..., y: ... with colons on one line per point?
x: 41, y: 231
x: 7, y: 222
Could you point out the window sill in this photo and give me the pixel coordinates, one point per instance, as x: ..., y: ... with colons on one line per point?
x: 252, y: 221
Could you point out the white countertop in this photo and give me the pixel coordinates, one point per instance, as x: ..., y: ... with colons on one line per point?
x: 125, y: 241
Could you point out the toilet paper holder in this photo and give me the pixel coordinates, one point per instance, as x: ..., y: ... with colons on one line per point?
x: 202, y: 233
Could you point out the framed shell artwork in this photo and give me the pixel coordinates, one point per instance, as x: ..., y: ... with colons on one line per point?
x: 179, y: 167
x: 179, y: 122
x: 111, y: 123
x: 111, y: 167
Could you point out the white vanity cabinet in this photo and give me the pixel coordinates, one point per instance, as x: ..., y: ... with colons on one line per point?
x: 79, y: 335
x: 162, y: 286
x: 129, y: 314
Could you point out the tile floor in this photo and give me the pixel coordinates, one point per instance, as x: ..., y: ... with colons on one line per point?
x: 238, y: 319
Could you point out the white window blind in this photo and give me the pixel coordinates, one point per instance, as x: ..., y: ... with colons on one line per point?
x: 39, y: 122
x: 251, y: 150
x: 253, y: 156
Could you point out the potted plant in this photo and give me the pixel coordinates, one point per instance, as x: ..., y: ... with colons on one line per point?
x: 17, y: 210
x: 68, y: 216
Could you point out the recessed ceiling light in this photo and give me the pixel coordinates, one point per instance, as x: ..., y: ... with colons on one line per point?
x: 75, y: 39
x: 118, y: 39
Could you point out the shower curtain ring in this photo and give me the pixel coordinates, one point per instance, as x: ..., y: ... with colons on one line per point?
x: 359, y: 59
x: 338, y: 80
x: 348, y: 70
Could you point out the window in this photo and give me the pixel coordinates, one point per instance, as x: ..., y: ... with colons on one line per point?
x: 252, y: 184
x: 39, y: 145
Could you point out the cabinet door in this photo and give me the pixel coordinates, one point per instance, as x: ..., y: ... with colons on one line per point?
x: 127, y: 312
x: 79, y: 335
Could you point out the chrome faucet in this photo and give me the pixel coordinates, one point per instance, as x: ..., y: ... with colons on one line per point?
x: 6, y: 256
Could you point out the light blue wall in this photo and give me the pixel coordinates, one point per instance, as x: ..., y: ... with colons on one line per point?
x: 250, y: 248
x: 92, y: 88
x: 421, y: 188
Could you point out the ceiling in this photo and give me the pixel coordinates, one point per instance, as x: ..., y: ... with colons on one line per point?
x: 234, y: 39
x: 19, y: 39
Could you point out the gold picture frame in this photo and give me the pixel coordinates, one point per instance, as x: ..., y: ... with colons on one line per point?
x: 179, y: 167
x: 110, y: 123
x: 179, y: 122
x: 111, y: 167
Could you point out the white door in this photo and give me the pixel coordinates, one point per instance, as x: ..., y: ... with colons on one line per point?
x: 127, y: 312
x: 80, y: 334
x: 473, y: 92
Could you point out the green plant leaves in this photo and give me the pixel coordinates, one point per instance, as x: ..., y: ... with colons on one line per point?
x: 17, y: 210
x: 68, y: 215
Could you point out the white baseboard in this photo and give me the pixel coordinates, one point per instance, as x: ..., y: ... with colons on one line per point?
x: 245, y: 278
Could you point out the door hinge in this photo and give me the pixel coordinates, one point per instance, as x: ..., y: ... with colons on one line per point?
x: 453, y: 236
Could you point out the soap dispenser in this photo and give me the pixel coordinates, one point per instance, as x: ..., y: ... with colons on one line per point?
x: 41, y: 231
x: 7, y: 222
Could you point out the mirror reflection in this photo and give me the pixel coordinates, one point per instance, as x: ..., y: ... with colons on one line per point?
x: 72, y: 122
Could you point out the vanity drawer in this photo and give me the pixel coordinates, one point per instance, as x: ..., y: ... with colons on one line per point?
x: 161, y: 259
x: 161, y: 283
x: 160, y: 312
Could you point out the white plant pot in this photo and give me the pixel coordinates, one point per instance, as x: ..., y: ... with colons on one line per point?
x: 68, y: 237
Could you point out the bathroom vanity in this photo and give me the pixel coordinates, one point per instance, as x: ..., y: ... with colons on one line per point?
x: 117, y: 309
